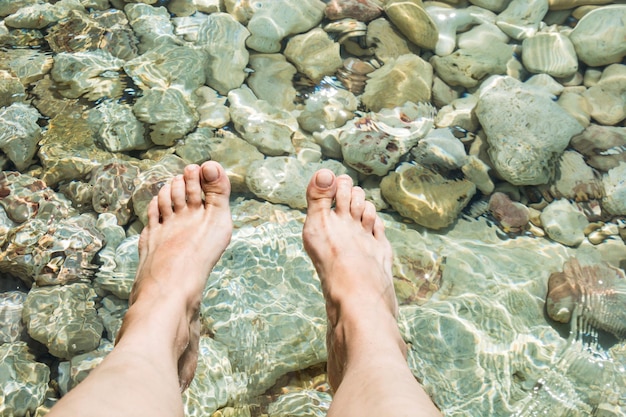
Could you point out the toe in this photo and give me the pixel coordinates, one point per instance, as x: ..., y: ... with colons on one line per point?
x: 178, y: 193
x: 344, y: 195
x: 321, y: 192
x: 192, y: 185
x: 357, y: 203
x: 165, y: 201
x: 368, y: 219
x: 153, y: 212
x: 379, y: 229
x: 214, y: 184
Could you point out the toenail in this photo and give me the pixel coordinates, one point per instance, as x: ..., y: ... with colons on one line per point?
x: 324, y: 178
x: 211, y: 173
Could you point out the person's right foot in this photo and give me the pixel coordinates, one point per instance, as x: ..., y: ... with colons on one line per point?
x: 353, y: 259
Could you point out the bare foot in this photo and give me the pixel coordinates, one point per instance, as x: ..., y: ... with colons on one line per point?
x: 367, y: 366
x: 353, y: 259
x: 189, y: 227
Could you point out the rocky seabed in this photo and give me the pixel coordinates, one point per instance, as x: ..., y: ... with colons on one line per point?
x: 490, y: 135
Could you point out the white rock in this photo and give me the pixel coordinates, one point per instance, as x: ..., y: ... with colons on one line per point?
x: 481, y: 35
x: 607, y: 97
x: 493, y: 5
x: 545, y: 82
x: 151, y: 25
x: 272, y: 20
x: 564, y: 223
x: 549, y: 53
x: 469, y: 67
x: 19, y: 133
x: 522, y: 18
x: 314, y: 54
x: 261, y: 124
x: 440, y: 149
x: 208, y: 6
x: 283, y: 180
x: 223, y: 39
x: 599, y: 36
x: 449, y: 21
x: 459, y: 113
x: 614, y: 182
x: 525, y: 129
x: 272, y: 80
x: 211, y: 107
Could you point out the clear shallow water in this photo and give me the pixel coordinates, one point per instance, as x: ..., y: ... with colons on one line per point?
x: 482, y: 345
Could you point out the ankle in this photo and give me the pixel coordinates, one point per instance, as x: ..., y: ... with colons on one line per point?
x: 368, y: 329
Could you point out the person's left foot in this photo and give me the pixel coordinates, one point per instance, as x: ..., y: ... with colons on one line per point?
x: 189, y: 227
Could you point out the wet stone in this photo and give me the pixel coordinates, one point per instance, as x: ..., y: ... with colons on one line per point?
x: 67, y: 151
x: 117, y: 274
x: 11, y: 89
x: 614, y: 182
x: 468, y: 67
x: 24, y: 381
x: 168, y: 112
x: 63, y: 318
x: 19, y: 133
x: 117, y: 129
x: 283, y: 180
x: 215, y: 383
x: 276, y: 19
x: 24, y: 197
x: 81, y: 32
x: 112, y: 313
x: 90, y: 74
x: 151, y: 25
x: 75, y: 370
x: 375, y: 142
x: 407, y: 78
x: 113, y: 184
x: 28, y: 65
x: 425, y: 196
x: 12, y: 328
x: 564, y: 223
x: 267, y: 127
x: 267, y: 310
x: 525, y: 129
x: 52, y: 251
x: 223, y: 39
x: 167, y: 67
x: 304, y: 403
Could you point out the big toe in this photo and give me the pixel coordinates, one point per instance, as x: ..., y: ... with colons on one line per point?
x: 215, y: 184
x: 321, y: 191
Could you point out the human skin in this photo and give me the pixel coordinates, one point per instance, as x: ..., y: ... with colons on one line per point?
x: 155, y: 357
x: 367, y: 366
x: 189, y: 227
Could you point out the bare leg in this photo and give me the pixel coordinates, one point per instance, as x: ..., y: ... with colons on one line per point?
x: 155, y: 357
x: 366, y: 355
